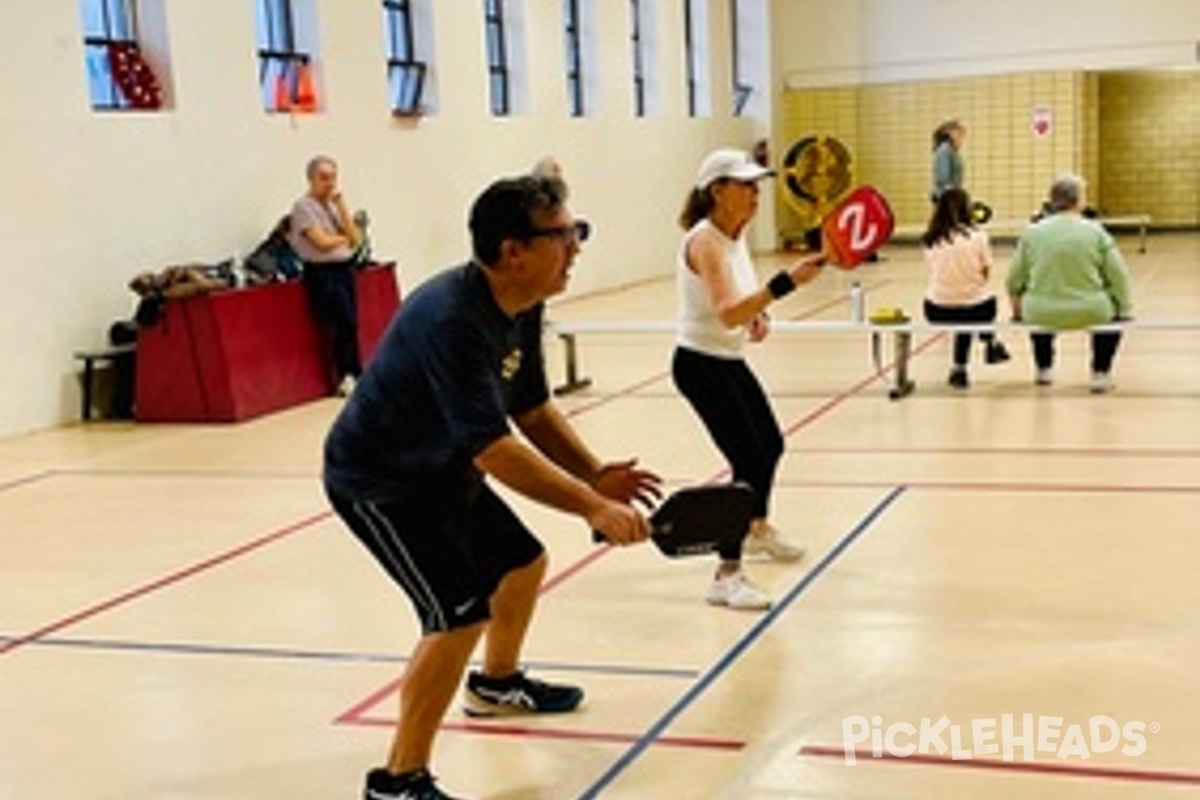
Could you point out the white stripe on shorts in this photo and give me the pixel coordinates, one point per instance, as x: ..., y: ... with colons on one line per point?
x: 406, y: 570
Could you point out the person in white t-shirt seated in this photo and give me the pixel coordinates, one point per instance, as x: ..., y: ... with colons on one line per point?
x: 959, y: 258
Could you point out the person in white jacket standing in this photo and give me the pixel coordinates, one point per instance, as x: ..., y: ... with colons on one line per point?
x: 959, y: 258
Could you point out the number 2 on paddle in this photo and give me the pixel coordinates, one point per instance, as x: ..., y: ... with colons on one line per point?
x: 863, y: 233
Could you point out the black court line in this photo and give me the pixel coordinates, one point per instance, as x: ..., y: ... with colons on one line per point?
x: 659, y: 728
x: 162, y: 582
x: 27, y: 480
x: 338, y: 656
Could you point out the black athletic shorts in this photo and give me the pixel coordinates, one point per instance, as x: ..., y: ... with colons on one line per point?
x: 448, y: 554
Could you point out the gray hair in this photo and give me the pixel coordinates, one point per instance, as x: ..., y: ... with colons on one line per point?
x: 548, y: 168
x: 1066, y: 192
x: 315, y: 163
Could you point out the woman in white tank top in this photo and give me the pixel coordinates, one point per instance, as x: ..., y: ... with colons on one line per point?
x: 721, y: 307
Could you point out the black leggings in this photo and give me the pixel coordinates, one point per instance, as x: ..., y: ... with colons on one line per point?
x: 335, y: 307
x: 730, y: 402
x: 1104, y: 350
x: 964, y: 315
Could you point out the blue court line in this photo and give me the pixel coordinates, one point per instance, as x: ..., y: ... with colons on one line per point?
x: 17, y: 483
x: 739, y: 648
x: 345, y: 656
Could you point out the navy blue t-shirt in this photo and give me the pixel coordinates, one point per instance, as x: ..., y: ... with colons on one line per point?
x: 448, y: 373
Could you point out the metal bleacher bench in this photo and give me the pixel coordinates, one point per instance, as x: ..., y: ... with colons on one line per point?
x: 90, y: 359
x: 901, y: 340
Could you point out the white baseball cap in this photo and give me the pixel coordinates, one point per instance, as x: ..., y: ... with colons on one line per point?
x: 730, y: 164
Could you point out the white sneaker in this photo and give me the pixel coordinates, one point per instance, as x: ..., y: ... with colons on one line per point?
x: 1044, y: 377
x: 737, y: 592
x: 767, y: 541
x: 346, y: 387
x: 1102, y: 383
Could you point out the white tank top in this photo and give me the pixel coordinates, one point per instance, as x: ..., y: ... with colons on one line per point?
x: 700, y: 327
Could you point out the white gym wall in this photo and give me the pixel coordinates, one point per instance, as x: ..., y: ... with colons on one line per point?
x: 94, y: 197
x: 838, y: 42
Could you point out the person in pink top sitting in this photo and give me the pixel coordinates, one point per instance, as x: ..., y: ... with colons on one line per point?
x: 959, y: 258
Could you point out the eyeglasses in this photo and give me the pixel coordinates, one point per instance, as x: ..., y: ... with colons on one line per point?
x: 577, y: 231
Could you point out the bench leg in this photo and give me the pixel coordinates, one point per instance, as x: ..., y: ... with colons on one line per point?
x: 89, y: 373
x: 1142, y: 249
x: 573, y: 382
x: 902, y: 385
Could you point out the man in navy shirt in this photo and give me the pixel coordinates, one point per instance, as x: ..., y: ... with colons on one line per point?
x: 406, y: 461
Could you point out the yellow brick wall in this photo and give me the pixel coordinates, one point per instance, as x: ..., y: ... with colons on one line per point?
x: 1150, y: 145
x: 888, y: 127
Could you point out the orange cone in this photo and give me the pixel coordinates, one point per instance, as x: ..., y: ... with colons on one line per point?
x: 306, y: 91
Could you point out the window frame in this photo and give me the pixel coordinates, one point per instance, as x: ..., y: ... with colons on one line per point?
x: 281, y: 51
x: 573, y: 33
x: 742, y: 92
x: 402, y: 59
x: 115, y: 100
x: 498, y: 59
x: 689, y: 53
x: 639, y: 60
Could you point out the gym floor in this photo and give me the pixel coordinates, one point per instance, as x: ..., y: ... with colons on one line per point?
x: 182, y: 617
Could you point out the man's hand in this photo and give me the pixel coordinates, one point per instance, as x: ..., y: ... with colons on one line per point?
x: 760, y: 326
x: 627, y: 484
x: 618, y: 523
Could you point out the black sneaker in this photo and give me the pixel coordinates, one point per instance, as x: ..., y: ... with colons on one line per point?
x: 492, y: 697
x: 383, y: 785
x: 996, y: 353
x: 958, y: 378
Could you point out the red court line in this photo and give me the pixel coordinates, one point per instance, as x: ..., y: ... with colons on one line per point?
x: 566, y: 734
x: 854, y: 390
x: 163, y: 582
x: 353, y: 715
x: 633, y: 388
x: 1064, y: 769
x: 1066, y: 452
x: 997, y: 486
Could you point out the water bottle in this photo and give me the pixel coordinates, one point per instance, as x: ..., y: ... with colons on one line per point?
x: 858, y: 309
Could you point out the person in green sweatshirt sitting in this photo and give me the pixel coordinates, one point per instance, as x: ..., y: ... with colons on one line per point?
x: 1068, y: 273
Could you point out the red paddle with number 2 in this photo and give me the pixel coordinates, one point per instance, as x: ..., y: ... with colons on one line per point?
x: 857, y: 227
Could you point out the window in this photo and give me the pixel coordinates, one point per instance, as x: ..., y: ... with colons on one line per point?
x: 645, y: 57
x: 695, y: 47
x: 750, y: 54
x: 573, y: 23
x: 504, y: 29
x: 499, y: 74
x: 408, y: 39
x: 119, y: 75
x: 285, y: 69
x: 639, y: 61
x: 580, y: 31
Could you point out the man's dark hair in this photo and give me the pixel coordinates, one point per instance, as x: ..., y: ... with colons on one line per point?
x: 506, y: 210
